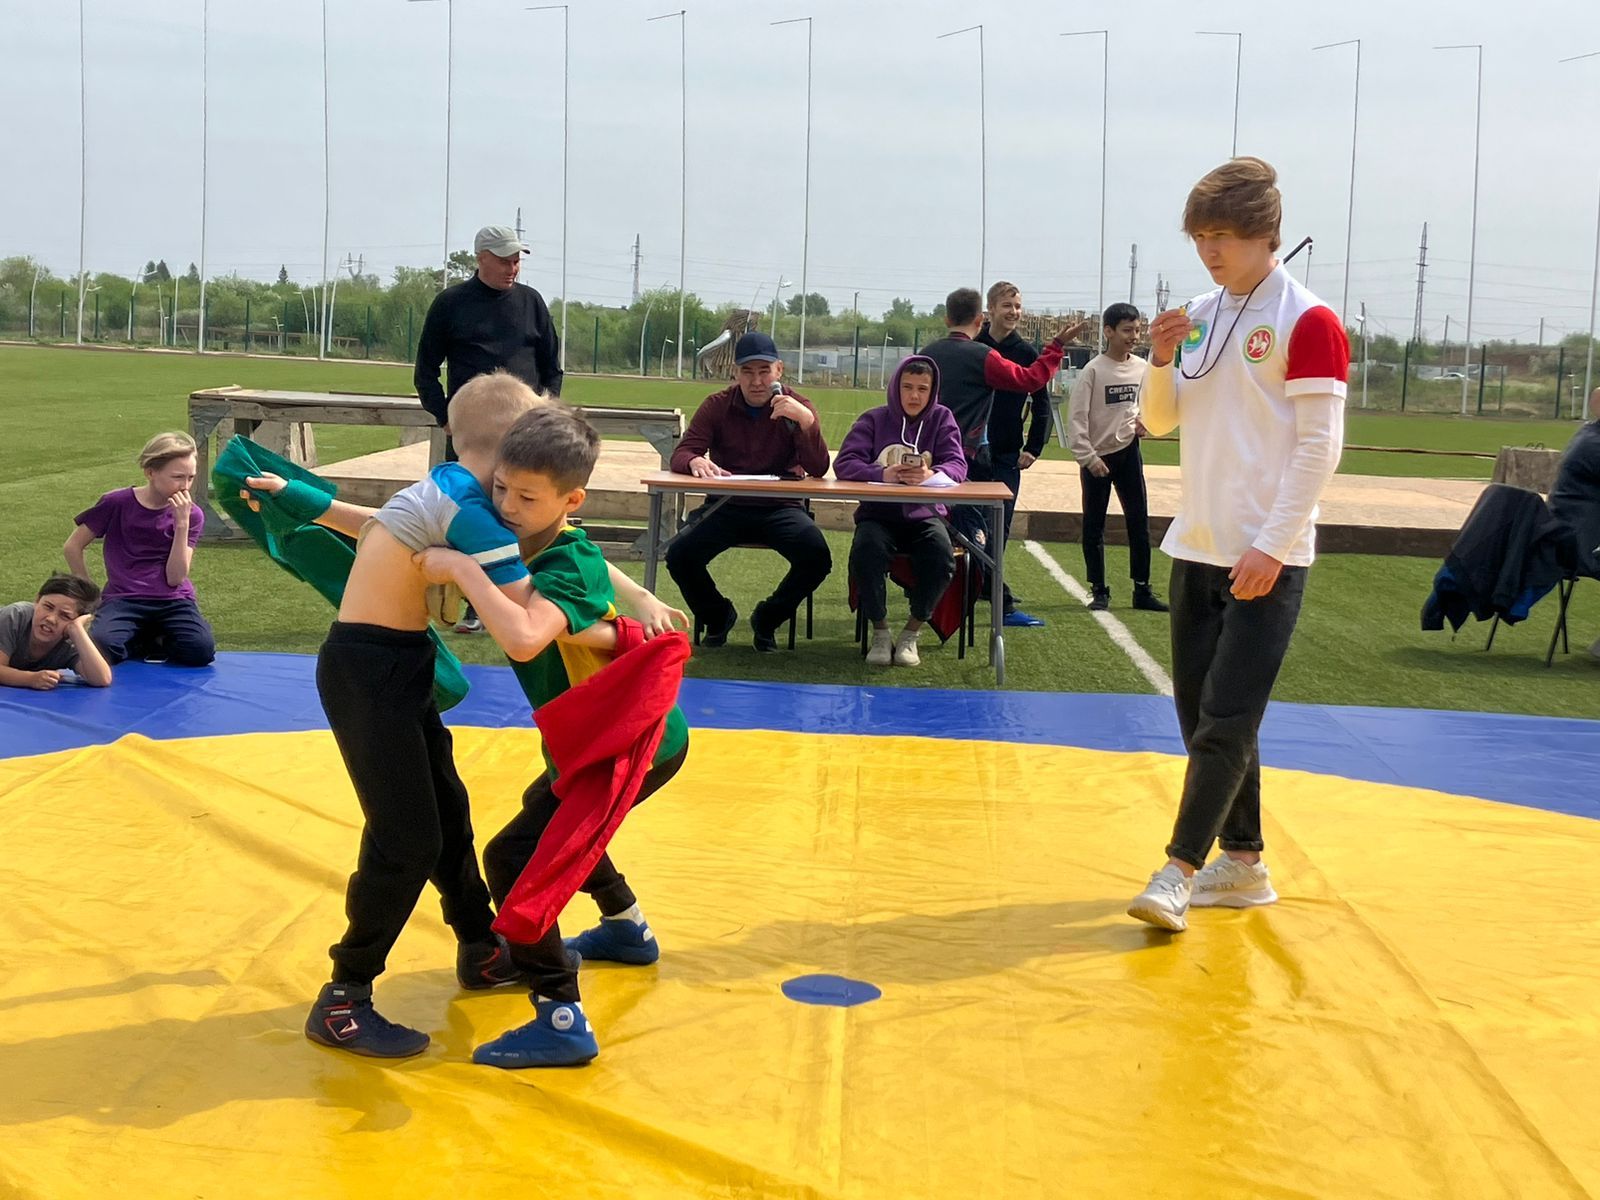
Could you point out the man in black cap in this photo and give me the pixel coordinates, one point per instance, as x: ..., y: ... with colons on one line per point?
x: 755, y: 427
x: 487, y: 323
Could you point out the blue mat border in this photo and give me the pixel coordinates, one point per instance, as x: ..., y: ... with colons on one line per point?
x: 1541, y: 762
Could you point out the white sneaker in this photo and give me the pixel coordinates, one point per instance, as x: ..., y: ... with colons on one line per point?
x: 882, y: 651
x: 1225, y: 882
x: 905, y: 650
x: 1164, y: 901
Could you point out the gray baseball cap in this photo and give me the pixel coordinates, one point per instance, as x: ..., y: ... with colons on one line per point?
x: 499, y: 239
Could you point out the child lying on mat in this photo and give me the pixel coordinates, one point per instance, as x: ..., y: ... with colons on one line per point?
x: 41, y: 639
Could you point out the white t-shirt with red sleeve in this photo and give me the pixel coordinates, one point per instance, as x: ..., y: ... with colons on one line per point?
x: 1260, y: 408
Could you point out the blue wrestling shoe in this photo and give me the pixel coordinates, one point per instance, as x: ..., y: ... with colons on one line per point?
x: 1018, y: 619
x: 343, y: 1018
x: 618, y: 940
x: 558, y: 1036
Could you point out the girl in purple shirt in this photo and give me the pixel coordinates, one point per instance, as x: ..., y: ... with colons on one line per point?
x: 148, y: 608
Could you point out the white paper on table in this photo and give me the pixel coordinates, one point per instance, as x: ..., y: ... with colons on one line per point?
x: 749, y: 478
x: 937, y: 480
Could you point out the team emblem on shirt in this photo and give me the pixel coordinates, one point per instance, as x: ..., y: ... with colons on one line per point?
x: 1258, y: 344
x: 1196, y: 335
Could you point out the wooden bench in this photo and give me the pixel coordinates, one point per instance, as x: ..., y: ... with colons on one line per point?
x: 282, y: 422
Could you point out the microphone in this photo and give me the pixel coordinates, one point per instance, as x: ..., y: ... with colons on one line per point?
x: 777, y: 390
x: 1304, y: 242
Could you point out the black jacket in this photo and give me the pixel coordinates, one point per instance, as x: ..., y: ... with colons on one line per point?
x: 1005, y: 419
x: 1510, y: 552
x: 479, y: 329
x: 1575, y: 497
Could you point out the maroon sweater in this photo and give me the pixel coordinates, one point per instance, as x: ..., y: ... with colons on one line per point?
x: 748, y: 441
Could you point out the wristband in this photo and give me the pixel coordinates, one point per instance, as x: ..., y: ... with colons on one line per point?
x: 301, y: 502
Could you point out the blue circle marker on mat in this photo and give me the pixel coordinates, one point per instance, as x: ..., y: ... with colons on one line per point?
x: 833, y: 990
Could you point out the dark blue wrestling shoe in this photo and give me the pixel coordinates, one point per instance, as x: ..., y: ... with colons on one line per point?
x: 482, y: 965
x: 558, y: 1036
x: 343, y: 1018
x: 618, y: 940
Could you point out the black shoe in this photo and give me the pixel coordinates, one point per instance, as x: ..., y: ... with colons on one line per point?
x: 344, y: 1019
x: 1100, y: 600
x: 718, y: 636
x: 1147, y: 601
x: 482, y: 965
x: 765, y: 639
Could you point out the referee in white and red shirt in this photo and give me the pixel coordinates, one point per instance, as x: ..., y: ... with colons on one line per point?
x: 1253, y: 375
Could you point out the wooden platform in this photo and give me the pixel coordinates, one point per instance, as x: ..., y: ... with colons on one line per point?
x: 1361, y: 514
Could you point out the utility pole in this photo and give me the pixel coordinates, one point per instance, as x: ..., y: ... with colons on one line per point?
x: 519, y: 222
x: 1422, y: 273
x: 636, y: 268
x: 1541, y: 333
x: 1133, y: 273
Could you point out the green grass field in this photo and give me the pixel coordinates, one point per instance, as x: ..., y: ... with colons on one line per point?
x: 75, y: 419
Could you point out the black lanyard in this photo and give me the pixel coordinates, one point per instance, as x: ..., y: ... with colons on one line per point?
x: 1205, y: 346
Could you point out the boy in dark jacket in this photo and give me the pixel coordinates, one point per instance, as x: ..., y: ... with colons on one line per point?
x: 1009, y: 454
x: 907, y: 441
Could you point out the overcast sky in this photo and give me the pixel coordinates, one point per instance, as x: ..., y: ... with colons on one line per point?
x: 895, y: 147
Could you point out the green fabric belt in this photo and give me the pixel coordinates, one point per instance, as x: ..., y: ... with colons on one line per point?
x: 312, y: 554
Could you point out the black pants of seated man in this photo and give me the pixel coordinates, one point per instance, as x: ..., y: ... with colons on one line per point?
x: 545, y: 962
x: 787, y: 529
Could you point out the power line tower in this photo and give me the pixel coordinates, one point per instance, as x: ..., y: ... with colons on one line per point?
x: 1133, y: 273
x: 1163, y: 293
x: 636, y: 268
x: 1422, y: 272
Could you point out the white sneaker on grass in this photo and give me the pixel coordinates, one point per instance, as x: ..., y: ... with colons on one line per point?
x: 905, y: 650
x: 1225, y: 882
x: 1164, y: 901
x: 882, y: 650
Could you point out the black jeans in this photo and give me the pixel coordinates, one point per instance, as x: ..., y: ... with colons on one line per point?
x: 788, y: 529
x: 933, y: 563
x: 134, y: 627
x: 376, y: 686
x: 989, y: 467
x: 1225, y: 658
x: 1127, y: 477
x: 545, y: 961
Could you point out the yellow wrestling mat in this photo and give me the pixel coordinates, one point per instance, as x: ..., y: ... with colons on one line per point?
x: 1419, y: 1017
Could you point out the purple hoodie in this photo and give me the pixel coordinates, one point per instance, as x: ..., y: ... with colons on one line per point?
x: 881, y: 435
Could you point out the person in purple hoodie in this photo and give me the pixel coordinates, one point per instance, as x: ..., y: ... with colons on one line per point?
x: 906, y: 441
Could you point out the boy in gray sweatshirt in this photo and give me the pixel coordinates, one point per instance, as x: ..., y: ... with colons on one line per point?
x: 1103, y: 429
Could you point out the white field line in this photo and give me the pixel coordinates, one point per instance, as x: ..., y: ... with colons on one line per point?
x: 1115, y: 629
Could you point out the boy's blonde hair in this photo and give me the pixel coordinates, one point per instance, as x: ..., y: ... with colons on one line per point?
x: 485, y: 407
x: 163, y: 448
x: 1001, y: 289
x: 1240, y: 196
